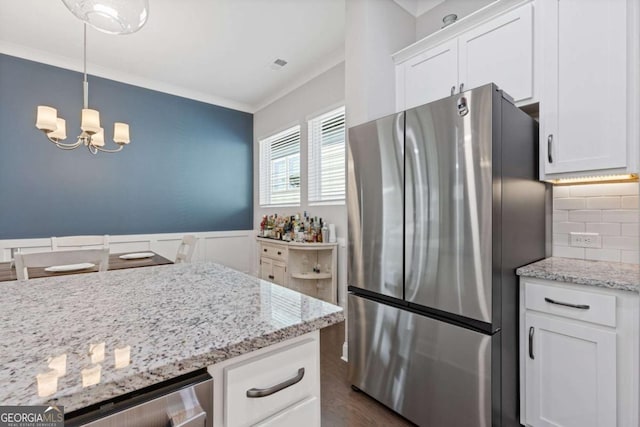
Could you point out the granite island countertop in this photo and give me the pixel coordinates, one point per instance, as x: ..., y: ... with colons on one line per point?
x: 174, y: 319
x: 612, y: 275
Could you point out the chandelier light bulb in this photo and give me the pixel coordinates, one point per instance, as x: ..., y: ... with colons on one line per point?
x: 60, y: 133
x: 90, y: 121
x: 121, y: 133
x: 97, y: 139
x: 46, y: 118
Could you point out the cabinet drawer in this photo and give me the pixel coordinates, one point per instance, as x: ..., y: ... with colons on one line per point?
x: 585, y: 306
x: 306, y: 413
x: 273, y: 251
x: 296, y: 365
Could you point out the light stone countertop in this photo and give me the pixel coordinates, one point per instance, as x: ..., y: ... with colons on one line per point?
x: 175, y: 318
x: 613, y: 275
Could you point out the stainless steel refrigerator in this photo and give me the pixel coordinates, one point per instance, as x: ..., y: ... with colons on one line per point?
x: 444, y: 204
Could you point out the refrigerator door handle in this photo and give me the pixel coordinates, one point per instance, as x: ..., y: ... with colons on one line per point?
x: 531, y: 332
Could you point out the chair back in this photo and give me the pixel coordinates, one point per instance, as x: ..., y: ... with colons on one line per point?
x: 99, y: 257
x: 79, y: 242
x: 186, y: 249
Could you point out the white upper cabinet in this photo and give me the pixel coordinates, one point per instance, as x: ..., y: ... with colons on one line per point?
x: 492, y: 45
x: 588, y: 97
x: 429, y: 76
x: 500, y: 52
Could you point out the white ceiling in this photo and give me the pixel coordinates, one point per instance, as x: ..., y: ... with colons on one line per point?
x: 418, y: 7
x: 217, y: 51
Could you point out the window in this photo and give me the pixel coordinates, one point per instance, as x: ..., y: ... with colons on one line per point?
x: 327, y: 158
x: 280, y: 168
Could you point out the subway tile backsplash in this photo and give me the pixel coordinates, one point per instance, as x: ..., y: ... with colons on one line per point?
x: 608, y: 209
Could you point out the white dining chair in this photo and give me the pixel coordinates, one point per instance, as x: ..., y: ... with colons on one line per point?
x: 100, y: 257
x: 79, y: 242
x: 186, y: 249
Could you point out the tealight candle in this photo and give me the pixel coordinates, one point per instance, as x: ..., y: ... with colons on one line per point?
x: 47, y: 383
x: 96, y: 351
x: 122, y: 356
x: 59, y: 364
x: 91, y: 376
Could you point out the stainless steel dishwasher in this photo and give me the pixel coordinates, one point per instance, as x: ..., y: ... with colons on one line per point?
x: 184, y: 402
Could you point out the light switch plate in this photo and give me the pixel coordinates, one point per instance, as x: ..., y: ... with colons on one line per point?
x: 585, y: 240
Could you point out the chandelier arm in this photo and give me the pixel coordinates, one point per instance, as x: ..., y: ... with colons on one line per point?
x: 107, y: 150
x: 65, y: 146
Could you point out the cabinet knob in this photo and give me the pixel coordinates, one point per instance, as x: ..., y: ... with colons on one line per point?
x: 264, y: 250
x: 550, y: 148
x: 279, y: 253
x: 271, y: 276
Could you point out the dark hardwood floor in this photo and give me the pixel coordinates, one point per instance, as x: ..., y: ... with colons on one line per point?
x: 341, y: 406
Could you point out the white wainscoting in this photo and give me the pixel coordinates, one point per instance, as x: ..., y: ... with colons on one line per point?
x: 230, y: 248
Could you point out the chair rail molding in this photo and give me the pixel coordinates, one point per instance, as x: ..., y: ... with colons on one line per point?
x: 230, y: 248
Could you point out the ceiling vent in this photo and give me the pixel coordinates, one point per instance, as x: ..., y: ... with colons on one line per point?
x: 278, y: 64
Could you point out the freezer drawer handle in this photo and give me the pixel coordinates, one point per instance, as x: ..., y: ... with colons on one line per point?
x: 531, y: 330
x: 264, y: 392
x: 567, y: 304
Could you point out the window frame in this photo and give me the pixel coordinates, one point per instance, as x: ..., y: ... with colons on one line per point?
x: 314, y: 157
x: 266, y: 200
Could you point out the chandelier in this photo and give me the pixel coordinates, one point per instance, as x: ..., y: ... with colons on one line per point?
x: 92, y: 135
x: 112, y: 17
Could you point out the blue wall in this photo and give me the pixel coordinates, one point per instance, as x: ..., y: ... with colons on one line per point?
x: 189, y: 166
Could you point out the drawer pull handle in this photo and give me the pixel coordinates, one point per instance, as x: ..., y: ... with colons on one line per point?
x: 531, y: 331
x: 265, y: 250
x: 271, y: 276
x: 567, y: 304
x: 263, y: 392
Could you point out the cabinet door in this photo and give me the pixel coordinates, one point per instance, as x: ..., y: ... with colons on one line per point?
x: 500, y: 52
x: 583, y: 103
x: 279, y: 273
x: 431, y: 75
x: 266, y: 269
x: 570, y: 374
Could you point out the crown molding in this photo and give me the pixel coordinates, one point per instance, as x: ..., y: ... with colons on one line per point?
x: 75, y: 64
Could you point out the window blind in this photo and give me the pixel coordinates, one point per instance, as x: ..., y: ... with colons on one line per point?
x: 327, y: 158
x: 280, y: 168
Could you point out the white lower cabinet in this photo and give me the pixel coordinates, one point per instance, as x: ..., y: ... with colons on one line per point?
x: 578, y: 355
x: 570, y: 374
x: 274, y: 386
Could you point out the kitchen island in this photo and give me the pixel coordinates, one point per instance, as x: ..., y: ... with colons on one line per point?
x: 122, y: 331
